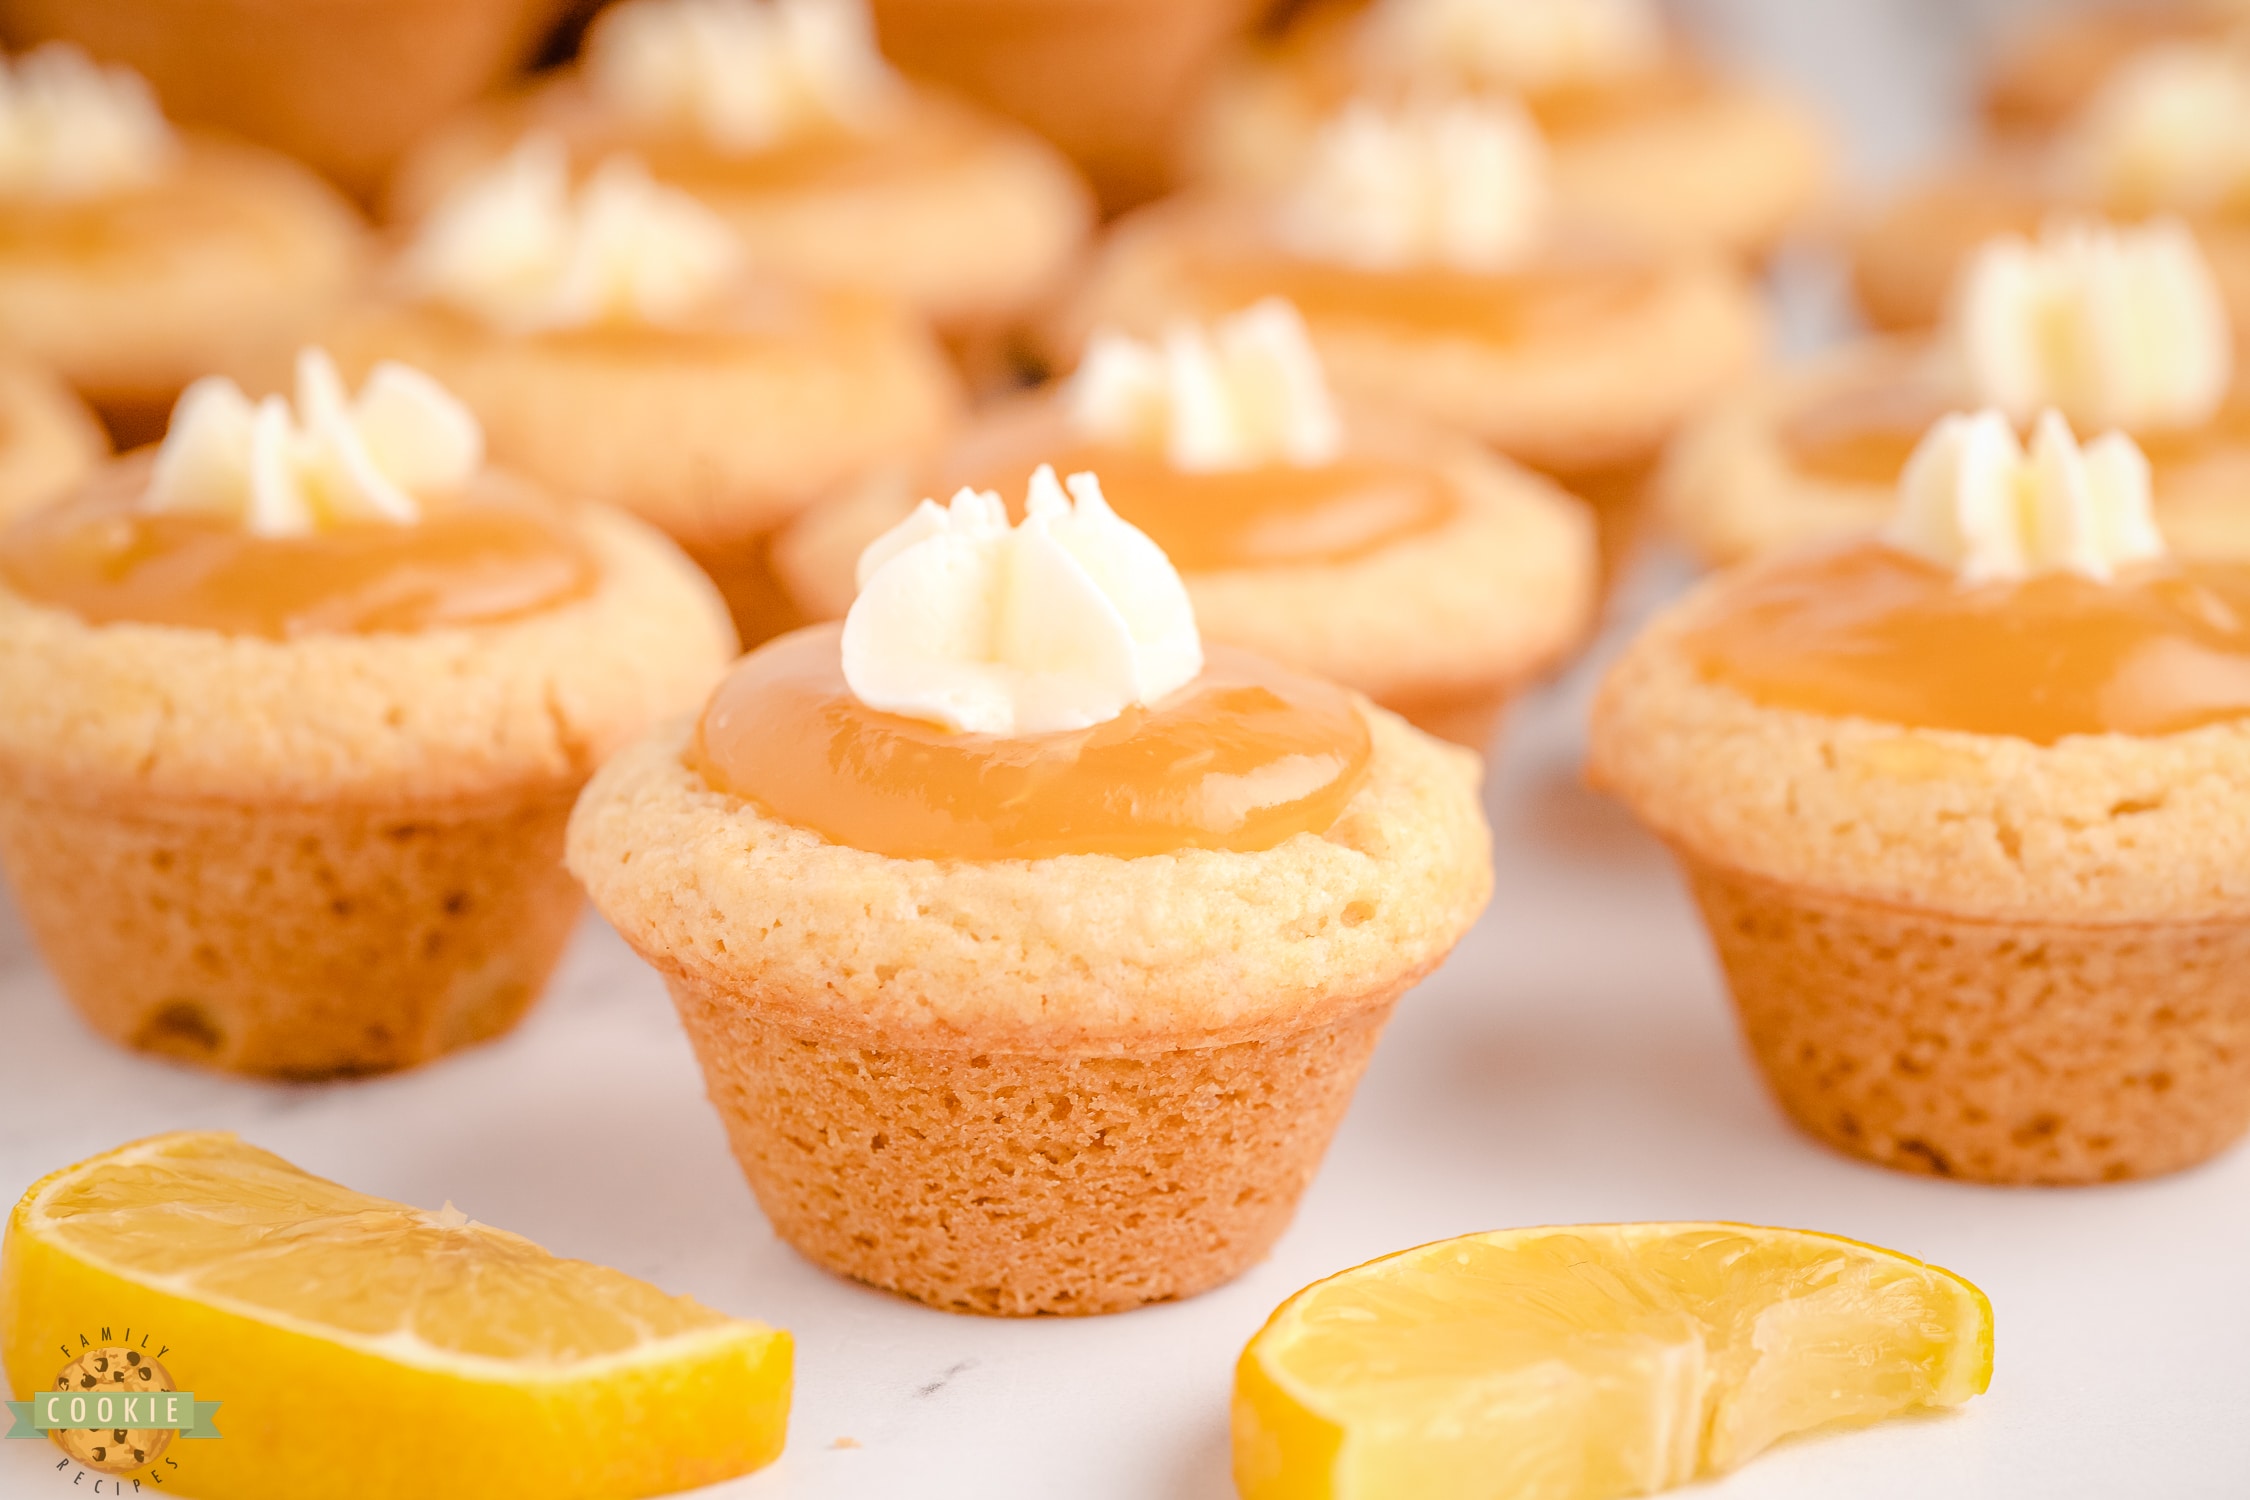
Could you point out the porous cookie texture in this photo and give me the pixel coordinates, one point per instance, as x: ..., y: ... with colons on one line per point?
x: 1731, y: 489
x: 1598, y: 394
x: 336, y: 853
x: 1068, y: 1084
x: 1441, y: 625
x: 49, y: 442
x: 226, y: 262
x: 977, y: 229
x: 2011, y: 1051
x: 1958, y: 952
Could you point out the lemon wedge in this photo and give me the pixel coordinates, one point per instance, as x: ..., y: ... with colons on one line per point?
x: 363, y: 1347
x: 1591, y: 1361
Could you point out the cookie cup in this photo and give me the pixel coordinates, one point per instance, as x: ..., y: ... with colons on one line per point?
x: 226, y: 262
x: 1951, y: 953
x: 1066, y: 1085
x: 49, y: 441
x: 1596, y: 392
x: 336, y: 853
x: 717, y: 433
x: 1731, y: 488
x: 1442, y: 625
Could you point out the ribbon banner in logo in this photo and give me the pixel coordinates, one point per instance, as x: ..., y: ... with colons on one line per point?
x: 177, y: 1410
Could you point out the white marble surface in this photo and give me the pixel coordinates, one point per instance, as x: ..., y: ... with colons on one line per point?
x: 1574, y: 1062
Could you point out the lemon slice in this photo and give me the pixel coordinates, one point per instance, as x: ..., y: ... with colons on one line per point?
x: 359, y: 1346
x: 1576, y: 1363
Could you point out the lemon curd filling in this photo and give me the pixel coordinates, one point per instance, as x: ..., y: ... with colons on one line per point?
x: 1272, y: 515
x: 1242, y: 758
x: 1502, y: 307
x: 1864, y: 434
x: 483, y: 556
x: 1868, y: 631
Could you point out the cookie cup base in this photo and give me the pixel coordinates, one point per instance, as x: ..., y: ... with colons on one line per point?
x: 1998, y: 1051
x: 1018, y: 1182
x: 293, y: 942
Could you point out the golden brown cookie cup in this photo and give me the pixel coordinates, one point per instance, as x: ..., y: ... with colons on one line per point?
x: 969, y: 221
x: 342, y: 84
x: 2046, y: 75
x: 1123, y: 1109
x: 1442, y: 626
x: 1109, y: 81
x: 225, y: 263
x: 49, y: 442
x: 1952, y: 953
x: 716, y: 432
x: 334, y: 854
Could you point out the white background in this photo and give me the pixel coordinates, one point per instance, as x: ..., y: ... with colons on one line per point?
x: 1574, y: 1062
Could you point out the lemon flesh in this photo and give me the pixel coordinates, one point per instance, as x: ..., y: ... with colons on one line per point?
x: 1599, y: 1360
x: 362, y: 1347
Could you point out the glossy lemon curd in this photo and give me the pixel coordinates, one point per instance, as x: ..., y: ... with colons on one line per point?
x: 1864, y: 434
x: 1270, y: 516
x: 1537, y: 301
x: 477, y: 559
x: 1868, y: 631
x: 1242, y: 758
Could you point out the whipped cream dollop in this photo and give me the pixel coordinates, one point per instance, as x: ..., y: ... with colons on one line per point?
x: 2169, y: 129
x: 1059, y: 623
x: 331, y: 460
x: 1525, y: 44
x: 2119, y: 327
x: 1459, y: 182
x: 741, y: 74
x: 1245, y: 393
x: 73, y: 128
x: 519, y: 249
x: 1972, y: 499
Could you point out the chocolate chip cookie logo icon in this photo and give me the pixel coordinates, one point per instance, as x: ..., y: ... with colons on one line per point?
x: 115, y: 1409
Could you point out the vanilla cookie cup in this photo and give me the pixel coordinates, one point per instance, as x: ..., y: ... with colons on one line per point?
x: 1068, y: 1085
x: 717, y: 432
x: 1971, y: 954
x: 224, y: 262
x: 969, y: 220
x: 1442, y: 613
x: 49, y: 442
x: 337, y: 852
x: 1659, y: 152
x: 1569, y: 365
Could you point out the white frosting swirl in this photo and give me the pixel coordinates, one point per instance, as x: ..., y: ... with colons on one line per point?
x: 73, y: 128
x: 1060, y: 623
x: 742, y: 74
x: 517, y: 248
x: 2169, y: 129
x: 1246, y: 393
x: 1973, y: 500
x: 2119, y: 327
x: 334, y: 460
x: 1527, y: 44
x: 1461, y: 182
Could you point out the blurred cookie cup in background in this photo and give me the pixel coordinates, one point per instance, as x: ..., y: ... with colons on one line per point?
x: 298, y: 704
x: 49, y: 441
x: 2046, y: 71
x: 1962, y: 804
x: 135, y: 258
x: 618, y: 342
x: 344, y: 85
x: 1426, y: 253
x: 1381, y: 553
x: 1010, y: 868
x: 2166, y: 134
x: 2114, y: 327
x: 781, y: 118
x: 1109, y: 81
x: 1650, y: 145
